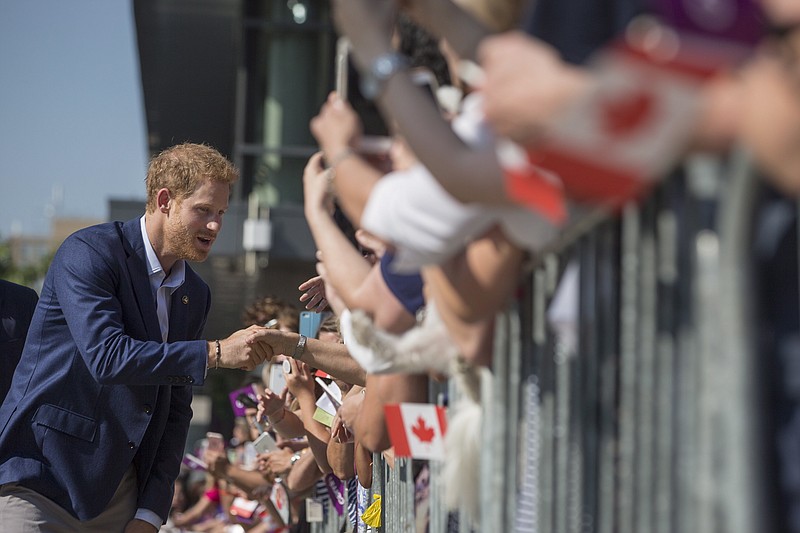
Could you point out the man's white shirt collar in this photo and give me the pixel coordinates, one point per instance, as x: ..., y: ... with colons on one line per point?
x: 178, y: 273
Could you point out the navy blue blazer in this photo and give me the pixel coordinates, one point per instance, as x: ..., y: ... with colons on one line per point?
x: 17, y: 303
x: 96, y: 389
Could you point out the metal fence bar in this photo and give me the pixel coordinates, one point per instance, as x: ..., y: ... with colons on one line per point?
x: 667, y: 267
x: 544, y: 360
x: 645, y: 375
x: 513, y: 381
x: 628, y: 365
x: 587, y: 389
x: 608, y: 305
x: 496, y: 421
x: 745, y: 506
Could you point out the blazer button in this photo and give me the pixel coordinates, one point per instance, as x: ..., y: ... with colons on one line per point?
x: 148, y: 408
x: 131, y: 445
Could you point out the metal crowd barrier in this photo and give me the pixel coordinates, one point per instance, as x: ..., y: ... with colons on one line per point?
x: 649, y: 423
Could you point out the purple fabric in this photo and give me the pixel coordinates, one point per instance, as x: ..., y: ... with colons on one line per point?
x: 739, y: 21
x: 336, y: 492
x: 407, y: 288
x: 238, y: 408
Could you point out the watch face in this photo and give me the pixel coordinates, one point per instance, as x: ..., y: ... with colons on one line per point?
x: 383, y: 67
x: 369, y: 86
x: 381, y: 70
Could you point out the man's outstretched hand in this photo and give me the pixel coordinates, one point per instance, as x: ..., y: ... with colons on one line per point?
x: 241, y: 350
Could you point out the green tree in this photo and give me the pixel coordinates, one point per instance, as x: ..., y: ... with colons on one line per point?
x: 28, y: 275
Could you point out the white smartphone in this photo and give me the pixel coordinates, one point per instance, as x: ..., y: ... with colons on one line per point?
x: 342, y: 57
x: 265, y: 443
x: 216, y: 442
x: 375, y: 139
x: 277, y: 379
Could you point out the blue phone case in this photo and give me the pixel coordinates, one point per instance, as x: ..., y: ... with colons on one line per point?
x: 309, y: 323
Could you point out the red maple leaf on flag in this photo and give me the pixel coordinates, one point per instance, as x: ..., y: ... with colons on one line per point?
x: 422, y: 431
x: 278, y: 499
x: 624, y: 114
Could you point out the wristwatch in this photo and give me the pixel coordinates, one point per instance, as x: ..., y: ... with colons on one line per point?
x: 300, y: 348
x: 384, y: 67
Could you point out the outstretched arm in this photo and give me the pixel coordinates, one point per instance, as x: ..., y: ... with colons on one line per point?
x: 330, y: 357
x: 469, y: 174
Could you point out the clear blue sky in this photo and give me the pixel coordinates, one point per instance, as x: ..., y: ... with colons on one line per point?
x: 71, y: 111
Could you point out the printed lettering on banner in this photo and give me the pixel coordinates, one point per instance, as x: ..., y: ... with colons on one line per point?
x: 335, y: 493
x: 417, y: 430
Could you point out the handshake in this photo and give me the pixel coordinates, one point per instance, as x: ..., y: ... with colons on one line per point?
x: 248, y: 348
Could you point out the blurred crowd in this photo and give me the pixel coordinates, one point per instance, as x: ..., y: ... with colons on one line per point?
x: 281, y: 450
x: 508, y: 122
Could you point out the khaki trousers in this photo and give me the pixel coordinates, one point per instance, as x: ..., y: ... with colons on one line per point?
x: 25, y: 511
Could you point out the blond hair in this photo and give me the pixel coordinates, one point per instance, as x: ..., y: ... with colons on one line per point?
x: 183, y: 168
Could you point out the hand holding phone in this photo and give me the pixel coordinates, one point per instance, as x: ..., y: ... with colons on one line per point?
x: 375, y: 138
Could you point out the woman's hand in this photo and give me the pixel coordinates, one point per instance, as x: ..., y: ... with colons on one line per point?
x: 317, y: 190
x: 270, y: 404
x: 278, y: 462
x: 351, y: 406
x: 336, y: 128
x: 300, y: 381
x: 314, y: 294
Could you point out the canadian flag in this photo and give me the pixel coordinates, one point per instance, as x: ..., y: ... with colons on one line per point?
x: 614, y: 142
x: 531, y: 185
x: 417, y: 430
x: 528, y: 184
